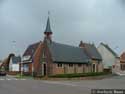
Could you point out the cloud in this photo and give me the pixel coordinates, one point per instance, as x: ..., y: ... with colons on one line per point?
x: 24, y: 21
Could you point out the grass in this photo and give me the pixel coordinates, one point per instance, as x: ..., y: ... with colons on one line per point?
x: 19, y: 76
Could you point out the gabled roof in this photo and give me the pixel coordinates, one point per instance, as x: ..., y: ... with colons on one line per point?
x: 91, y: 51
x: 16, y: 59
x: 67, y: 54
x: 108, y: 48
x: 31, y: 50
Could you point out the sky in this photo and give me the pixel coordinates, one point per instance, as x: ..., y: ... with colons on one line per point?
x: 22, y: 22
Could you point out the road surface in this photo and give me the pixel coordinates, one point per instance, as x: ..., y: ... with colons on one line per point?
x: 10, y: 85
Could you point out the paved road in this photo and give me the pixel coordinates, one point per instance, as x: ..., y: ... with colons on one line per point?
x: 58, y: 87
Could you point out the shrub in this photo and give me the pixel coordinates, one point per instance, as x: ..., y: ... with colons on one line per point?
x: 78, y: 75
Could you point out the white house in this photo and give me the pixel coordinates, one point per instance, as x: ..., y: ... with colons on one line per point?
x: 14, y: 63
x: 109, y: 57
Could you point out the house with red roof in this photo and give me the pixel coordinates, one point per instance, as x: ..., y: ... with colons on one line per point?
x: 119, y: 67
x: 122, y: 61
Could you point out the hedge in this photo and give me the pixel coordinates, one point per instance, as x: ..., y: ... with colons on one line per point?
x: 78, y: 75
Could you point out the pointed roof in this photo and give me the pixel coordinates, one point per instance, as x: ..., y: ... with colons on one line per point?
x: 16, y: 59
x: 108, y: 48
x: 48, y: 27
x: 91, y: 50
x: 30, y: 51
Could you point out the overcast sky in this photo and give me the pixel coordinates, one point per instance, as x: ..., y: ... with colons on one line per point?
x: 22, y: 22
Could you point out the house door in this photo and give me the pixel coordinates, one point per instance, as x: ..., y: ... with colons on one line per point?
x: 44, y: 69
x: 93, y: 67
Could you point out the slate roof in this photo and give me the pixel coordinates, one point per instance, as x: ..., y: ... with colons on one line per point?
x: 91, y: 51
x: 16, y: 59
x: 106, y: 46
x: 31, y: 49
x: 67, y: 54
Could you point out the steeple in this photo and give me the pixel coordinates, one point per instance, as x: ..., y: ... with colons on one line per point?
x: 48, y: 31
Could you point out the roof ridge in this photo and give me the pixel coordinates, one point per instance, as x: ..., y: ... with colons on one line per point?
x: 107, y: 46
x: 32, y: 46
x: 66, y: 44
x: 91, y: 50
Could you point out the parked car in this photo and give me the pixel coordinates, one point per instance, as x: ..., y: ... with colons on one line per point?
x: 2, y: 73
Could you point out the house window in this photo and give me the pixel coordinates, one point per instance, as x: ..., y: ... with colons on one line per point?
x: 79, y: 65
x: 26, y: 68
x: 70, y: 65
x: 122, y: 67
x: 43, y: 62
x: 44, y: 54
x: 60, y: 65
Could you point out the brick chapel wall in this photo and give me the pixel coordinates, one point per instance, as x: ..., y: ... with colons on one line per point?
x: 79, y: 69
x: 88, y: 68
x: 70, y: 69
x: 49, y: 62
x: 84, y: 68
x: 58, y: 70
x: 37, y: 57
x: 96, y: 64
x: 99, y: 65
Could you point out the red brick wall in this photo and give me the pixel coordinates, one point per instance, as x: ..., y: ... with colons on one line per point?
x: 49, y: 61
x: 57, y: 70
x: 37, y: 57
x: 30, y: 68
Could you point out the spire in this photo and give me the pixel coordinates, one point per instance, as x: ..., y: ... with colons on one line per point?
x: 48, y: 30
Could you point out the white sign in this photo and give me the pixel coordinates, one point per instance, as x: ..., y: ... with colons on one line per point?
x: 26, y: 57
